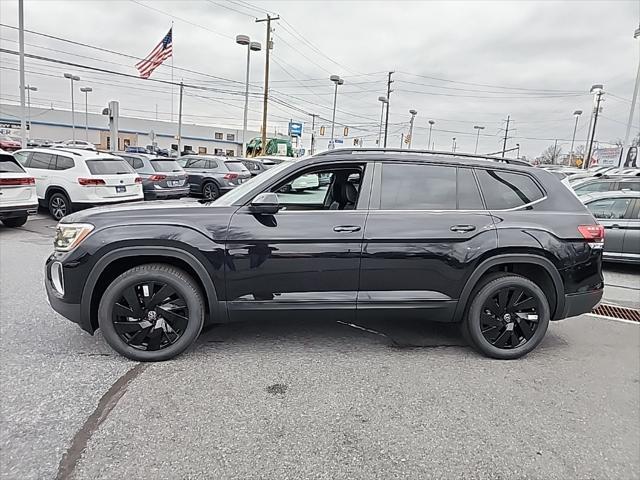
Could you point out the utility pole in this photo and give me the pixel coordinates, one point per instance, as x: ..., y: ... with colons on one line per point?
x: 555, y: 152
x: 313, y: 128
x: 506, y: 132
x: 413, y: 116
x: 180, y: 120
x: 634, y: 98
x: 266, y: 80
x: 386, y: 122
x: 597, y: 89
x: 431, y: 122
x: 23, y: 120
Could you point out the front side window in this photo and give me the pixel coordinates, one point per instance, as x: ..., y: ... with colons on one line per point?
x: 504, y: 190
x: 407, y: 186
x: 197, y: 163
x: 609, y: 208
x: 43, y: 161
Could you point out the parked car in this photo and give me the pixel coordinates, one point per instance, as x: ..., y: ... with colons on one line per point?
x: 9, y: 143
x: 39, y: 143
x: 17, y: 192
x: 160, y: 152
x: 494, y: 244
x: 81, y: 144
x: 211, y: 177
x: 161, y: 177
x: 255, y: 165
x: 68, y: 179
x: 607, y: 183
x: 137, y: 150
x: 619, y: 213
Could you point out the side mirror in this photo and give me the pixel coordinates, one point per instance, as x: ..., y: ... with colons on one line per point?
x: 265, y: 203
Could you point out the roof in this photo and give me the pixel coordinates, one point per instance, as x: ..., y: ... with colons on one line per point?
x: 610, y: 194
x: 78, y: 152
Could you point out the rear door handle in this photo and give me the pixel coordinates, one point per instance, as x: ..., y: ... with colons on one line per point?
x: 615, y: 225
x: 346, y: 228
x: 463, y: 228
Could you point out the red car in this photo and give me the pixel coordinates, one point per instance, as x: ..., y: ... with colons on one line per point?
x: 9, y: 144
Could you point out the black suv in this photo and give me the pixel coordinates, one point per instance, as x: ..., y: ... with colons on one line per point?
x: 496, y: 245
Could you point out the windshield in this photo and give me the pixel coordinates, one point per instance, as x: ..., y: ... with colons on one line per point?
x: 255, y: 182
x: 8, y: 164
x: 111, y: 166
x: 165, y: 166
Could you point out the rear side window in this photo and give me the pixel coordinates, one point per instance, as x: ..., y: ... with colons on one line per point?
x: 197, y: 163
x: 8, y: 164
x: 633, y: 186
x: 610, y: 208
x: 468, y: 193
x: 408, y: 186
x: 212, y: 164
x: 104, y: 166
x: 135, y: 162
x: 594, y: 187
x: 64, y: 163
x: 43, y: 161
x: 235, y: 166
x: 503, y: 190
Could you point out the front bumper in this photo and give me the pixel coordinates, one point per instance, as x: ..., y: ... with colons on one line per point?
x: 579, y: 303
x: 65, y: 306
x: 18, y: 211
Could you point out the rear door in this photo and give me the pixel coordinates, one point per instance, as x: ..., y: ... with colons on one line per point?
x: 611, y: 213
x: 427, y: 227
x: 118, y: 177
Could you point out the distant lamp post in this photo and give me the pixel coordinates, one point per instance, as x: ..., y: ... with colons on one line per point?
x: 478, y: 128
x: 86, y: 91
x: 413, y: 116
x: 576, y: 114
x: 453, y: 145
x: 251, y: 47
x: 384, y: 101
x: 518, y: 150
x: 431, y: 123
x: 338, y: 81
x: 72, y: 78
x: 29, y: 89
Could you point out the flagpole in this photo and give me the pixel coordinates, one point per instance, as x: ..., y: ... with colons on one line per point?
x: 180, y: 121
x: 172, y: 72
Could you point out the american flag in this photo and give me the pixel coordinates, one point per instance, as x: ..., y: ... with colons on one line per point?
x: 158, y: 55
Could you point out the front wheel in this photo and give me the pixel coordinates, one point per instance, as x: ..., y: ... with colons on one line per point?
x: 15, y: 221
x: 508, y: 317
x: 151, y: 313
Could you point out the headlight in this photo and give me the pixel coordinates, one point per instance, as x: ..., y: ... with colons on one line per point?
x: 70, y: 235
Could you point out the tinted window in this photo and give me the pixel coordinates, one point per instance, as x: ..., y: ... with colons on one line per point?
x: 43, y: 161
x: 64, y: 163
x: 197, y: 163
x: 468, y: 193
x: 594, y: 187
x: 23, y: 157
x: 211, y: 164
x: 418, y: 187
x: 634, y: 186
x: 165, y: 166
x: 8, y: 164
x: 504, y: 190
x: 109, y: 166
x: 610, y: 208
x: 236, y: 166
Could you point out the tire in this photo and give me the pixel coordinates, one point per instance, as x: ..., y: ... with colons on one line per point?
x: 144, y: 334
x: 210, y: 191
x: 59, y: 205
x: 507, y: 318
x: 15, y: 221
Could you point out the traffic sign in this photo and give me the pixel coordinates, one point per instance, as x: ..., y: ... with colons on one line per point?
x: 295, y: 129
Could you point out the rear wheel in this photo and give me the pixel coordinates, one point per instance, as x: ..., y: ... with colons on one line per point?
x: 210, y: 191
x: 59, y: 205
x: 508, y: 317
x: 15, y: 221
x: 151, y: 313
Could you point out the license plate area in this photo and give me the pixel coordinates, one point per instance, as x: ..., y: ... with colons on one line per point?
x: 121, y: 189
x: 174, y: 183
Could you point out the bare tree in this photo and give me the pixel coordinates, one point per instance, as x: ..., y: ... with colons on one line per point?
x: 551, y: 154
x: 617, y: 142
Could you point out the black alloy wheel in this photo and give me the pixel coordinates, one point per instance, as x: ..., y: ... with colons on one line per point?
x: 210, y: 191
x: 59, y: 206
x: 151, y: 312
x: 508, y: 316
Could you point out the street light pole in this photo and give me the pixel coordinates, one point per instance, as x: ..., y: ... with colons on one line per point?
x: 86, y: 91
x: 72, y: 78
x: 453, y: 145
x: 576, y: 114
x: 431, y: 122
x: 478, y: 128
x: 382, y: 99
x: 29, y: 89
x: 338, y: 81
x: 251, y: 47
x: 413, y: 116
x: 518, y: 150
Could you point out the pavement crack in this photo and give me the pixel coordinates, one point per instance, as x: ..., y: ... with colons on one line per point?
x: 399, y: 345
x: 369, y: 330
x: 108, y: 401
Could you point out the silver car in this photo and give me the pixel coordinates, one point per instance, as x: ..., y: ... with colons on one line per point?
x: 619, y: 213
x: 161, y: 177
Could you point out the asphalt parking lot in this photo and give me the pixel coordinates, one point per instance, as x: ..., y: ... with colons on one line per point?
x: 278, y: 400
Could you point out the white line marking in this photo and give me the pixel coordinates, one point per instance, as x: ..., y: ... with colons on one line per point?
x: 612, y: 318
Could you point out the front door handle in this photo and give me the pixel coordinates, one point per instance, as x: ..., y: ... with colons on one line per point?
x: 463, y: 228
x: 615, y: 225
x: 346, y: 228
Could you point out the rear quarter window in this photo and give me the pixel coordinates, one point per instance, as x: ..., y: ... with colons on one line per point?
x: 503, y: 190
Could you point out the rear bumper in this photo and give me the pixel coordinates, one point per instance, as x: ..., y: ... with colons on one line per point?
x: 18, y: 211
x: 579, y: 303
x: 166, y: 193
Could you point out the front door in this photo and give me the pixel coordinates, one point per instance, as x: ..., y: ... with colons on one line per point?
x: 305, y: 259
x: 425, y: 232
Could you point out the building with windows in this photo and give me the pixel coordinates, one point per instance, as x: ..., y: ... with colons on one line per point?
x: 56, y: 125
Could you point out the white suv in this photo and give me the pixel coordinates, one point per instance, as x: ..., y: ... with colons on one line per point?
x: 72, y: 178
x: 17, y: 192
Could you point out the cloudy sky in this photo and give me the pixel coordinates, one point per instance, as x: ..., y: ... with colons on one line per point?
x: 459, y: 63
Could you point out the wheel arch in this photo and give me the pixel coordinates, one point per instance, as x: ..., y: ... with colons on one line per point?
x: 525, y: 264
x: 51, y: 189
x: 117, y: 261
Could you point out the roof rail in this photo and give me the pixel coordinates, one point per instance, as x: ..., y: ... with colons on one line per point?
x: 67, y: 150
x: 337, y: 151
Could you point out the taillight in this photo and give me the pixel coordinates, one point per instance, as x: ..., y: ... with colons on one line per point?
x: 138, y: 180
x: 91, y: 181
x: 156, y: 178
x: 592, y: 233
x: 14, y: 182
x: 231, y: 176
